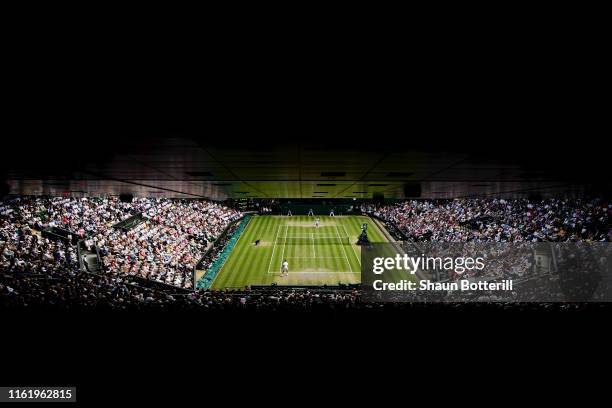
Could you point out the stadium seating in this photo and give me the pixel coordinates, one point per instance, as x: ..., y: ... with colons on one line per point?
x: 499, y: 220
x: 174, y: 234
x: 164, y: 248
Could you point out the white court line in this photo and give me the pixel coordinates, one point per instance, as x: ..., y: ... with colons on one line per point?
x: 357, y: 256
x: 344, y: 250
x: 273, y: 248
x: 312, y: 257
x: 310, y: 235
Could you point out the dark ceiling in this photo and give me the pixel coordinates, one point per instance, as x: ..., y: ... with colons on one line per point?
x: 470, y: 123
x: 185, y: 166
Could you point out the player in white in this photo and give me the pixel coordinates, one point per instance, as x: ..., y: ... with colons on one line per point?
x: 317, y: 222
x: 285, y: 268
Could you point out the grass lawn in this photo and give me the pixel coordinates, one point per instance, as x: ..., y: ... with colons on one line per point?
x: 316, y: 256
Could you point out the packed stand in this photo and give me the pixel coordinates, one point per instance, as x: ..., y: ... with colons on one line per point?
x: 164, y: 248
x: 167, y: 246
x: 23, y: 250
x: 215, y: 251
x: 499, y: 220
x: 64, y: 289
x: 485, y: 221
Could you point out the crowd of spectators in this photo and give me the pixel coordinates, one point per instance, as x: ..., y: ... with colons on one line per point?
x: 81, y: 216
x: 71, y: 289
x: 482, y: 222
x: 165, y: 247
x: 64, y: 289
x: 168, y: 245
x: 23, y: 249
x: 39, y: 271
x: 212, y: 255
x: 499, y: 220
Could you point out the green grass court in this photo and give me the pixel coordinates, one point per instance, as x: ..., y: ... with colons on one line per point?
x: 316, y: 256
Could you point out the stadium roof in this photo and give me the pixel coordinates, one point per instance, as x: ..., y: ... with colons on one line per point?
x: 247, y: 130
x: 184, y: 166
